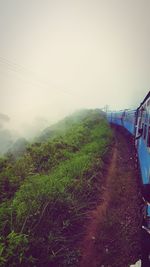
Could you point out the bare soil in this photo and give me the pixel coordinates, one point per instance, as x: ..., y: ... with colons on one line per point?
x: 113, y: 231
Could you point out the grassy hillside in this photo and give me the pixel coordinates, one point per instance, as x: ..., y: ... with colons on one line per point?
x: 46, y: 192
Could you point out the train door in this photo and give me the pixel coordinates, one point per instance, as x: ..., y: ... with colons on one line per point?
x: 139, y: 125
x: 148, y: 139
x: 148, y: 125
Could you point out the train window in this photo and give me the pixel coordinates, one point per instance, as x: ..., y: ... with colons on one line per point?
x: 148, y: 139
x: 145, y: 130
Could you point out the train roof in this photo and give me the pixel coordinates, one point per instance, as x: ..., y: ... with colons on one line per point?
x: 147, y: 96
x: 122, y: 110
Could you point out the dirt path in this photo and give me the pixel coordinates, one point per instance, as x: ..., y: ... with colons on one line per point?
x: 112, y: 237
x: 89, y: 258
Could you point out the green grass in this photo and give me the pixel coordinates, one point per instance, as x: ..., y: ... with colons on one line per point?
x: 46, y: 211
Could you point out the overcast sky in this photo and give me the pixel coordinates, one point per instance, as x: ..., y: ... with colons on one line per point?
x: 60, y: 55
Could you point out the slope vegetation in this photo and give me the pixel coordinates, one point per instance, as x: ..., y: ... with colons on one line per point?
x: 47, y: 192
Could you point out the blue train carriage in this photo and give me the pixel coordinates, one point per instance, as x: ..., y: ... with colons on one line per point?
x: 142, y: 142
x: 115, y: 117
x: 129, y: 120
x: 125, y: 118
x: 142, y: 139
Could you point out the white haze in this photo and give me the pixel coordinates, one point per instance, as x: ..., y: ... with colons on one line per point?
x: 58, y: 56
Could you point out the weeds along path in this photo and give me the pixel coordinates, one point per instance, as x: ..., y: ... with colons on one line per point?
x: 112, y: 237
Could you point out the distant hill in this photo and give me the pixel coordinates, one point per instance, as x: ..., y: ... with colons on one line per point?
x: 63, y: 125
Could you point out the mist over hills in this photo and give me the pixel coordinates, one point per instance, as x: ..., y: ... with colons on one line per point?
x: 6, y: 137
x: 12, y: 142
x: 5, y: 140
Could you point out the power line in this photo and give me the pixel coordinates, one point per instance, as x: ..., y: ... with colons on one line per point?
x: 34, y: 77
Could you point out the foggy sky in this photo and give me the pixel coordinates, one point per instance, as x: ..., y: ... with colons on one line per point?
x: 60, y: 55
